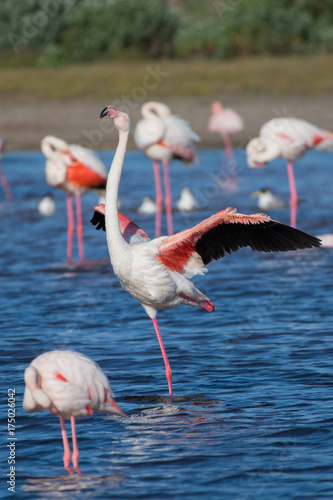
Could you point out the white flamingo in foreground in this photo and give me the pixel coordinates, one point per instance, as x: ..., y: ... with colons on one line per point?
x: 290, y: 138
x: 3, y: 178
x: 70, y: 385
x: 157, y: 272
x: 226, y: 122
x: 164, y: 137
x: 75, y: 170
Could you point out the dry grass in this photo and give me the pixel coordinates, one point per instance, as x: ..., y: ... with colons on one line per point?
x: 252, y: 76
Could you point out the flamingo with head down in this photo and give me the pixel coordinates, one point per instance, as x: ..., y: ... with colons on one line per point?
x: 290, y: 138
x: 70, y: 385
x: 75, y: 170
x: 164, y: 137
x: 157, y: 272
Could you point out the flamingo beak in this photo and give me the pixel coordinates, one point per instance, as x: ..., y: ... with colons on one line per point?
x: 117, y: 409
x: 110, y: 111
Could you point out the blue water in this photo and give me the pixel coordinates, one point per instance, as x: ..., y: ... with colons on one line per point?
x: 252, y: 413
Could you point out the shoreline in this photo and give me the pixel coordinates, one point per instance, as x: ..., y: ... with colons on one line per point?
x: 24, y: 124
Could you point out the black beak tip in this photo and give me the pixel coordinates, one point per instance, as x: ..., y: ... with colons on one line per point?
x: 104, y: 112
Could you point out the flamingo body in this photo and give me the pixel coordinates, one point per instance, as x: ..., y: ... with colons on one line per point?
x: 164, y: 137
x: 289, y: 138
x: 224, y: 120
x: 158, y: 272
x: 70, y: 385
x: 75, y: 170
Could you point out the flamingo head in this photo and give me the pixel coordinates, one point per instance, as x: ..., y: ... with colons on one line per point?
x: 121, y: 120
x: 216, y: 107
x: 255, y: 152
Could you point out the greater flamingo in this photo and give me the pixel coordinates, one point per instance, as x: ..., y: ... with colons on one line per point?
x: 226, y: 122
x: 75, y: 170
x: 289, y: 138
x: 70, y: 385
x: 3, y: 178
x: 156, y: 272
x: 164, y: 137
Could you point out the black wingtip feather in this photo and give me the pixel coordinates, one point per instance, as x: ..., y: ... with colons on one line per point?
x: 98, y: 220
x: 270, y: 236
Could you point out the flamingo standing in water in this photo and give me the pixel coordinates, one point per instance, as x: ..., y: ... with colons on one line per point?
x: 164, y: 137
x: 290, y: 138
x: 226, y: 122
x: 3, y: 178
x: 157, y: 272
x: 70, y: 385
x: 75, y: 170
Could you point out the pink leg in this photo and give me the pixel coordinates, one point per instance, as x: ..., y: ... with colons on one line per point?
x: 5, y: 185
x: 70, y: 228
x: 75, y: 456
x: 158, y: 189
x: 67, y: 451
x: 79, y: 227
x: 168, y: 198
x: 168, y: 372
x: 229, y: 152
x: 293, y: 194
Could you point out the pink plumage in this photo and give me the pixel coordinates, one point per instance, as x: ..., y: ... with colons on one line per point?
x: 164, y: 137
x: 289, y: 138
x: 158, y: 272
x: 70, y: 385
x: 75, y: 170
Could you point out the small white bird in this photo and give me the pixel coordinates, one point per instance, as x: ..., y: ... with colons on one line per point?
x: 46, y: 205
x: 70, y: 385
x: 148, y: 206
x: 267, y: 200
x: 187, y: 202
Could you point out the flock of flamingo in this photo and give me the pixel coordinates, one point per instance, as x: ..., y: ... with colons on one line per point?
x: 157, y: 272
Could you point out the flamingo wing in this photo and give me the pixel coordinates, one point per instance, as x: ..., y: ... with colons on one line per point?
x: 127, y: 227
x: 180, y: 138
x: 89, y: 158
x: 226, y: 232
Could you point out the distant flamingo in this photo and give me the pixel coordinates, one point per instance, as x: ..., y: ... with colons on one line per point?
x: 290, y: 138
x: 164, y: 137
x: 70, y: 385
x: 3, y: 178
x: 75, y: 170
x: 157, y: 272
x: 226, y: 122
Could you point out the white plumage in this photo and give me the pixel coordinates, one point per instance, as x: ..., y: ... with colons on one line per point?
x: 70, y: 385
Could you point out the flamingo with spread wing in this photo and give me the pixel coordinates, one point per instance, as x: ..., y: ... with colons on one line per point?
x: 157, y: 272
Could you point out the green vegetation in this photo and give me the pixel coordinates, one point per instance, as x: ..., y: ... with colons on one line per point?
x: 105, y: 81
x: 52, y: 32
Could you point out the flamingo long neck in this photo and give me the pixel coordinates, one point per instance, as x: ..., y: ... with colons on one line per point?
x: 114, y: 237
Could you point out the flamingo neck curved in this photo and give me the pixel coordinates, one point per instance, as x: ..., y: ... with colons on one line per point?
x: 154, y: 109
x: 51, y: 146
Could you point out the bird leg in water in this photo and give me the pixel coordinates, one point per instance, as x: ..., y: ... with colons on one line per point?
x: 168, y: 199
x: 158, y: 189
x: 75, y: 455
x: 5, y: 185
x: 293, y: 194
x: 67, y: 451
x: 168, y: 372
x: 79, y: 227
x: 70, y: 228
